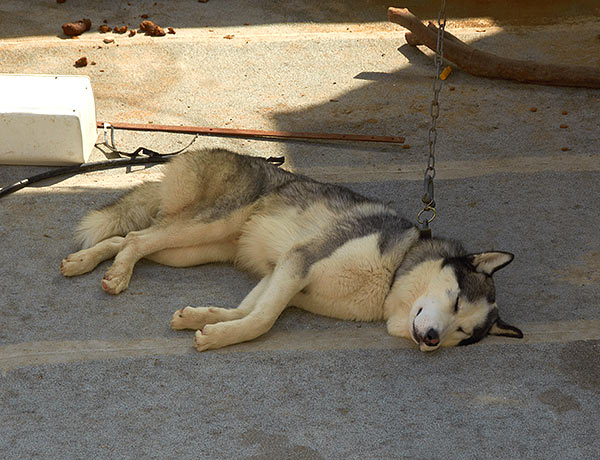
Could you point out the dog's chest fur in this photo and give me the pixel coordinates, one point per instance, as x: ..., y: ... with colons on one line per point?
x: 348, y: 273
x: 350, y: 284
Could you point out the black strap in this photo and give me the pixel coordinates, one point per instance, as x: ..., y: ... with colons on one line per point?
x: 83, y: 168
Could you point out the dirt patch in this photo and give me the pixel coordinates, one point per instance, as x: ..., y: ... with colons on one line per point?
x: 586, y: 271
x: 559, y: 401
x: 580, y: 363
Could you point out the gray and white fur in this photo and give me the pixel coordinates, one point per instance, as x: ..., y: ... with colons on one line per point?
x: 317, y: 246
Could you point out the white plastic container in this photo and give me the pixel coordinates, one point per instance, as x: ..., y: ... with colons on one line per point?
x: 46, y: 119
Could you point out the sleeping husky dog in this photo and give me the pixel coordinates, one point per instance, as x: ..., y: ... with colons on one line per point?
x: 319, y: 247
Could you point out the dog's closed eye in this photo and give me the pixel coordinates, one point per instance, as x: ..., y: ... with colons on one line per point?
x: 456, y: 306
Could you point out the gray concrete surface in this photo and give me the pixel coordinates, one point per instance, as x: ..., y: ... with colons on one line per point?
x: 88, y: 375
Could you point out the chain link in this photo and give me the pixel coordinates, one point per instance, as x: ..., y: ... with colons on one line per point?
x: 434, y: 110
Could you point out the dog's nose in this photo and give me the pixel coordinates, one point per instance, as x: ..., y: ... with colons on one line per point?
x: 432, y: 338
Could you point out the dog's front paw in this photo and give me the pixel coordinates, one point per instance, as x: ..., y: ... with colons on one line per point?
x: 207, y: 338
x: 188, y: 318
x: 115, y: 281
x: 76, y: 264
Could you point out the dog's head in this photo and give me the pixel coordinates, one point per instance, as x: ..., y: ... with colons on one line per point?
x: 459, y: 304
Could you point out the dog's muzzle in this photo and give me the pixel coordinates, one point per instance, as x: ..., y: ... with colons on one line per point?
x: 427, y: 342
x: 431, y: 338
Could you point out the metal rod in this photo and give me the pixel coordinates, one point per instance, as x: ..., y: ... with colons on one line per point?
x: 252, y: 133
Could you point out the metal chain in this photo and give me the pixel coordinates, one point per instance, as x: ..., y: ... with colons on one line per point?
x: 434, y: 110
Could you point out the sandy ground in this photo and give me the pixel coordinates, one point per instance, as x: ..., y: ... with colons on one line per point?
x: 88, y: 375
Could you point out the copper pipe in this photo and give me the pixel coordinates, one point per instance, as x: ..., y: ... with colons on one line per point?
x: 251, y: 133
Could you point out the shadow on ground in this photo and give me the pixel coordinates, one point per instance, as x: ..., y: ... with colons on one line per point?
x: 22, y: 19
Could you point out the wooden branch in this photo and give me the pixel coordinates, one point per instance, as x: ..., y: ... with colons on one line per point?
x: 414, y: 40
x: 484, y: 64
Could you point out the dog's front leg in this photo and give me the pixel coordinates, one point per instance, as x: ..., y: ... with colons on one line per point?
x: 198, y: 317
x: 285, y: 282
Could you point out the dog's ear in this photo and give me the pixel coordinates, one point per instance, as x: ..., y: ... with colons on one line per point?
x: 490, y: 262
x: 502, y: 328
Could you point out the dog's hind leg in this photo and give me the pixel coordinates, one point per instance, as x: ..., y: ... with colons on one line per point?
x: 198, y: 317
x: 285, y: 282
x: 86, y: 260
x: 174, y: 234
x: 195, y: 255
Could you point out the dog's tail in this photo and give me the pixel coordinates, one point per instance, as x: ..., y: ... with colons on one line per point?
x: 134, y: 211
